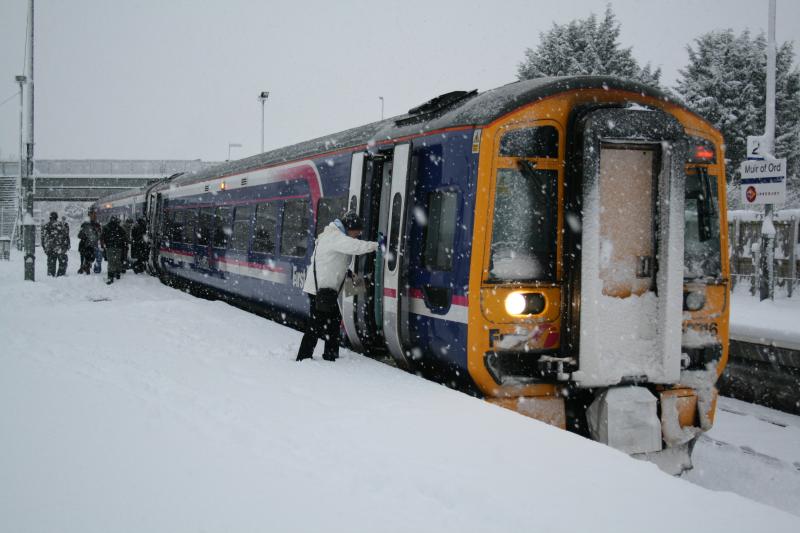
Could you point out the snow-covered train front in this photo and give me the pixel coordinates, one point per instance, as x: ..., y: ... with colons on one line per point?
x: 554, y: 245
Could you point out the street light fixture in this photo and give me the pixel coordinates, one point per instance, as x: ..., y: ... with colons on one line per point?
x: 232, y: 145
x: 263, y: 98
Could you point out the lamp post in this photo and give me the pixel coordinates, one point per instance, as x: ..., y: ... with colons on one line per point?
x: 232, y: 145
x: 381, y: 99
x: 28, y: 224
x: 18, y: 201
x: 263, y: 98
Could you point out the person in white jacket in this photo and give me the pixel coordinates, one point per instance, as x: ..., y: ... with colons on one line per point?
x: 332, y: 253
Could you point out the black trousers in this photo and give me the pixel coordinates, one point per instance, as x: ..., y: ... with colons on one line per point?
x: 323, y: 326
x: 52, y: 257
x: 87, y: 258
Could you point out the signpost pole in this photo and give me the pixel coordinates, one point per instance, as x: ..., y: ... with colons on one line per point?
x: 767, y: 286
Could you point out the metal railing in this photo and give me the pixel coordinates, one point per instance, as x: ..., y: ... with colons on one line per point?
x: 744, y: 231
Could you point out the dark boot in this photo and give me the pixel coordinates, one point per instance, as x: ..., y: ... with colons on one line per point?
x: 306, y: 350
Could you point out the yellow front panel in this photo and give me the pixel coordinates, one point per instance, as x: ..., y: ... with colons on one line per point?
x: 488, y: 319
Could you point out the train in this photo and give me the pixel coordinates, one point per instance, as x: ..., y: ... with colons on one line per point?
x: 556, y: 246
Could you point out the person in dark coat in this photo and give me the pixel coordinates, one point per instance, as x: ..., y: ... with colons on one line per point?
x: 127, y: 227
x: 139, y: 246
x: 114, y: 242
x: 334, y: 249
x: 55, y: 242
x: 98, y: 251
x: 89, y: 236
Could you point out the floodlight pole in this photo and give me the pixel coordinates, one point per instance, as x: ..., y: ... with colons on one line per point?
x: 18, y: 189
x: 767, y: 266
x: 263, y: 98
x: 381, y: 99
x: 28, y: 224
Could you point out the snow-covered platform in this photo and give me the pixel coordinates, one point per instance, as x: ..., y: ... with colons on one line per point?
x: 771, y: 322
x: 135, y: 407
x: 764, y: 363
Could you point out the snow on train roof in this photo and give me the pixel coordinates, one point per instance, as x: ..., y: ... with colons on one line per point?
x: 473, y: 110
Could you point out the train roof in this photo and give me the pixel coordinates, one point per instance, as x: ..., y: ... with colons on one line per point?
x: 121, y: 195
x: 451, y: 110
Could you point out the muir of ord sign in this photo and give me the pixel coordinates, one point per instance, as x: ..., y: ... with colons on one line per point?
x: 764, y: 182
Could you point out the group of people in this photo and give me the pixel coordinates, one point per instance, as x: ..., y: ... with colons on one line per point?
x: 96, y: 242
x: 325, y: 274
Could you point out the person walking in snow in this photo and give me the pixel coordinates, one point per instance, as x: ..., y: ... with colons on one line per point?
x: 114, y: 241
x: 127, y: 227
x: 139, y: 246
x: 89, y: 237
x: 55, y: 242
x: 324, y: 279
x: 98, y: 251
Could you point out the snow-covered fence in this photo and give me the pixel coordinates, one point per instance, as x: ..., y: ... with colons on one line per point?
x: 8, y: 219
x: 744, y: 230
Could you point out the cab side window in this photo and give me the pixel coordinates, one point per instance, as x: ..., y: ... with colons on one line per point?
x: 441, y: 230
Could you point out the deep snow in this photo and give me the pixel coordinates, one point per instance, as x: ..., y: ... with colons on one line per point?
x: 771, y: 321
x: 135, y: 407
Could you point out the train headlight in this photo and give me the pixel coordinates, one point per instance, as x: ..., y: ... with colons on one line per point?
x: 522, y: 303
x: 694, y: 300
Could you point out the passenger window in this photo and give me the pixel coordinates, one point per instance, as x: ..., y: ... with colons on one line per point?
x: 541, y: 141
x: 222, y: 227
x: 394, y: 230
x: 241, y: 228
x: 190, y: 221
x: 177, y: 226
x: 524, y: 227
x: 328, y: 209
x: 294, y: 233
x: 166, y: 224
x: 265, y: 228
x: 204, y: 225
x: 440, y: 237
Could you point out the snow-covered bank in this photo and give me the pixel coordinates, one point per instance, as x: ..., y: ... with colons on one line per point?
x: 751, y: 450
x: 769, y: 322
x: 134, y: 407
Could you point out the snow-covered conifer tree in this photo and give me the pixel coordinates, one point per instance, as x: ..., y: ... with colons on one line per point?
x: 725, y: 82
x: 584, y: 46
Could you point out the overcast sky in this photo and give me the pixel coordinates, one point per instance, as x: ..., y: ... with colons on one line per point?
x: 179, y: 79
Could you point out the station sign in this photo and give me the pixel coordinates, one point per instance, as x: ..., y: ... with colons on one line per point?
x: 763, y: 181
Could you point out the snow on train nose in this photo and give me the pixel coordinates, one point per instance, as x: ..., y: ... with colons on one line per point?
x: 632, y: 248
x: 626, y: 418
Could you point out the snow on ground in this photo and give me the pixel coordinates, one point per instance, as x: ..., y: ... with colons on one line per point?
x: 771, y: 321
x: 753, y: 451
x: 135, y: 407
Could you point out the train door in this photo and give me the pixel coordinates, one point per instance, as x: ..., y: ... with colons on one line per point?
x: 631, y: 273
x: 348, y: 302
x: 375, y: 198
x: 394, y: 294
